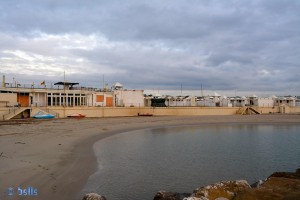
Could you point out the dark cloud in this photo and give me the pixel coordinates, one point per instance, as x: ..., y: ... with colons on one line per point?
x: 226, y: 45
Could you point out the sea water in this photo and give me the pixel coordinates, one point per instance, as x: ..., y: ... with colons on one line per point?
x: 135, y: 165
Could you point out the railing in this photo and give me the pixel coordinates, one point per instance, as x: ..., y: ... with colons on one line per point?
x: 11, y: 111
x: 54, y: 87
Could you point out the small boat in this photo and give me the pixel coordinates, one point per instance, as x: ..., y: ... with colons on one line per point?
x: 145, y: 114
x: 76, y: 115
x: 41, y: 115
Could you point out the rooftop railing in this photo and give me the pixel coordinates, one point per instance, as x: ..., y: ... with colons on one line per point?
x: 53, y: 87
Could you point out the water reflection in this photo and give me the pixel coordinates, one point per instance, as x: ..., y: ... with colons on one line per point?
x: 135, y: 165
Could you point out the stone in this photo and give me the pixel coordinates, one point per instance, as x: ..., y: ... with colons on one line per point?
x: 93, y: 196
x: 164, y: 195
x: 195, y: 198
x: 221, y: 190
x: 257, y: 184
x: 278, y: 186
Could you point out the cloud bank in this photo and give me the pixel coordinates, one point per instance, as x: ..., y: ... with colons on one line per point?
x: 223, y: 45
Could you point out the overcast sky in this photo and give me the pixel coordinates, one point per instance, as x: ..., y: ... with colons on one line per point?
x: 242, y: 45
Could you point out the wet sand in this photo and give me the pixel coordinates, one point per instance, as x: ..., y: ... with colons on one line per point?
x: 56, y: 156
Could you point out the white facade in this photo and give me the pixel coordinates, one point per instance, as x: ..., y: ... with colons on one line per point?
x: 205, y: 103
x: 225, y: 102
x: 264, y: 102
x: 39, y: 99
x: 129, y: 98
x: 180, y: 101
x: 287, y: 101
x: 100, y: 99
x: 239, y: 101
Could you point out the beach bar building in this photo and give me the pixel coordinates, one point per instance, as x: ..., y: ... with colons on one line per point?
x: 41, y: 97
x: 68, y: 94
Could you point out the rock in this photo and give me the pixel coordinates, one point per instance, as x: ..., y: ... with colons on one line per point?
x: 278, y: 186
x: 257, y: 184
x: 195, y: 198
x: 163, y: 195
x: 221, y: 190
x: 286, y: 175
x: 93, y: 196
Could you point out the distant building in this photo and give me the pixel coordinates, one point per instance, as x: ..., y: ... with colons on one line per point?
x: 67, y: 95
x: 129, y: 98
x: 179, y: 101
x: 285, y: 101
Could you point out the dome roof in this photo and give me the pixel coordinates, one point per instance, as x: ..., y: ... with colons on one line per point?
x: 117, y: 84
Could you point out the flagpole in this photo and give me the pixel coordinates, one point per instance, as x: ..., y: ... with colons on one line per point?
x: 65, y: 96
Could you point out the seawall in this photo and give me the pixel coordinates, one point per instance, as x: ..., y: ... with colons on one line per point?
x: 62, y: 112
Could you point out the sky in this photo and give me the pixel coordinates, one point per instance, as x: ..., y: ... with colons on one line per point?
x: 233, y: 45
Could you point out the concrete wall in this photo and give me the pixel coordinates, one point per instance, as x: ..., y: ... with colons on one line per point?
x: 278, y: 109
x: 133, y: 111
x: 162, y: 111
x: 264, y: 102
x: 3, y: 111
x: 39, y: 99
x: 8, y: 99
x: 61, y: 112
x: 129, y: 98
x: 267, y: 110
x: 93, y: 100
x: 295, y: 109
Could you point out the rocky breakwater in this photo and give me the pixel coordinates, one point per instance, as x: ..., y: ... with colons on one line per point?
x: 221, y: 191
x: 93, y: 196
x: 278, y: 186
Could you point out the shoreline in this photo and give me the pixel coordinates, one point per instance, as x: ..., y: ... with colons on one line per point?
x: 58, y: 161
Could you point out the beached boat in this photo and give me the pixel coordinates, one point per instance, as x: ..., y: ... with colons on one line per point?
x: 76, y: 115
x: 145, y: 114
x: 41, y: 115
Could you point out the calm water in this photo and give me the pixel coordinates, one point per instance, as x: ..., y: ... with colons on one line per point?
x: 135, y: 165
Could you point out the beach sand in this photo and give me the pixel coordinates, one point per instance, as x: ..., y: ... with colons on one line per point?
x: 56, y: 156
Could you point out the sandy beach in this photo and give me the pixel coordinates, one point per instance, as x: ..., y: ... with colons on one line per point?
x: 56, y: 156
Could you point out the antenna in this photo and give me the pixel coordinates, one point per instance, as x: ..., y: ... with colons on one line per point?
x: 103, y: 82
x: 181, y: 88
x: 64, y: 80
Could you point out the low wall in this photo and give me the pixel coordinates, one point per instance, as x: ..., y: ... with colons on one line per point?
x: 134, y: 111
x: 294, y: 109
x: 3, y: 111
x: 61, y: 112
x: 157, y: 111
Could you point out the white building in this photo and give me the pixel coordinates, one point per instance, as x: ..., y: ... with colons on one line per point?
x: 225, y: 102
x: 67, y: 95
x: 239, y: 101
x: 180, y: 101
x: 264, y: 102
x: 129, y: 98
x: 287, y: 101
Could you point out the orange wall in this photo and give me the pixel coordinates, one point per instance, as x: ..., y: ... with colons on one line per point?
x: 109, y: 101
x: 100, y: 98
x: 23, y: 99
